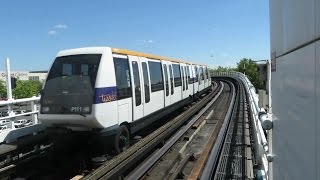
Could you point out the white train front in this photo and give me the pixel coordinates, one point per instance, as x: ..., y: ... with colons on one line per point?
x: 107, y: 89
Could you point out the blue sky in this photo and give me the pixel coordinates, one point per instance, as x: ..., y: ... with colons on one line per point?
x: 212, y: 32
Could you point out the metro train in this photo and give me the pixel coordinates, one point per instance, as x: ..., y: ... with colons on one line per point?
x: 117, y: 92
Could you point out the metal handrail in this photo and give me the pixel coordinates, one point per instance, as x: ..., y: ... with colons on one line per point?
x: 11, y: 101
x: 12, y: 133
x: 11, y: 114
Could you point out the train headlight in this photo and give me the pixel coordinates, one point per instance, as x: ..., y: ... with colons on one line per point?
x: 45, y: 109
x: 86, y: 109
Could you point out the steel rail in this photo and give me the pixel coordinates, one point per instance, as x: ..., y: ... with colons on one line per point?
x: 138, y: 173
x: 212, y: 161
x: 202, y: 158
x: 233, y: 162
x: 120, y: 163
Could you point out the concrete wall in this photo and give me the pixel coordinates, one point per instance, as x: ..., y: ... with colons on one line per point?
x: 295, y: 26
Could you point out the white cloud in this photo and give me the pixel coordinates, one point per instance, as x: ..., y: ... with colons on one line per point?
x: 57, y: 28
x: 61, y: 26
x: 145, y: 42
x: 52, y: 32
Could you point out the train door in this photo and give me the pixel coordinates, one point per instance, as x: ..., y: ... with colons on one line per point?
x: 183, y: 75
x: 201, y: 78
x: 196, y: 79
x: 172, y: 93
x: 147, y: 105
x: 124, y: 88
x: 209, y: 77
x: 177, y: 89
x: 189, y: 87
x: 166, y: 80
x: 170, y: 80
x: 205, y: 76
x: 157, y: 84
x: 137, y: 105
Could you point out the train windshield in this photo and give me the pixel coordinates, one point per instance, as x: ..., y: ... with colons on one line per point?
x: 70, y: 84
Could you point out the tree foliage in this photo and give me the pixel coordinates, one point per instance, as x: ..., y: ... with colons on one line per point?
x: 222, y: 69
x: 247, y: 67
x: 26, y: 89
x: 3, y: 90
x: 250, y: 69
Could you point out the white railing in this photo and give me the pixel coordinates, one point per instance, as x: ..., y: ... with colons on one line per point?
x: 11, y: 115
x: 16, y: 129
x: 10, y: 102
x: 19, y: 125
x: 261, y: 123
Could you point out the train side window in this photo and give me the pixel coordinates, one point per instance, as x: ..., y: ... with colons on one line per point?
x: 199, y: 75
x: 177, y: 75
x: 187, y: 76
x: 171, y: 79
x: 66, y: 69
x: 121, y: 67
x: 202, y: 74
x: 166, y: 77
x: 156, y: 76
x: 208, y: 73
x: 184, y: 75
x: 195, y: 74
x: 182, y: 72
x: 136, y: 80
x: 146, y: 82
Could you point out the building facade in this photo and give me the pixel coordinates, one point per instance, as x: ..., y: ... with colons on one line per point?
x: 25, y: 75
x: 295, y: 61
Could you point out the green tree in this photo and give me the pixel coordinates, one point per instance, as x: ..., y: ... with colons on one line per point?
x: 26, y: 89
x: 250, y: 69
x: 3, y: 90
x: 222, y: 69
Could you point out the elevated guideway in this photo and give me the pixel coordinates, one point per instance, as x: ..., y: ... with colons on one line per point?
x: 240, y: 147
x: 261, y: 124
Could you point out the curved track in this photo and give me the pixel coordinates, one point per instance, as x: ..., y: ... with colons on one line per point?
x: 188, y: 145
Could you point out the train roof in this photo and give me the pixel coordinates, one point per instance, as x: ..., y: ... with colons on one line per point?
x: 151, y: 56
x: 127, y: 52
x: 141, y: 54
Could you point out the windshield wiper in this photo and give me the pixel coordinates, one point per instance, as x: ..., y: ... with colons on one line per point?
x: 83, y: 115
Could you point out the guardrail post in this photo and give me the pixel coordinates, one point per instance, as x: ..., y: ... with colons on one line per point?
x: 12, y: 119
x: 9, y: 94
x: 34, y: 116
x: 8, y: 83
